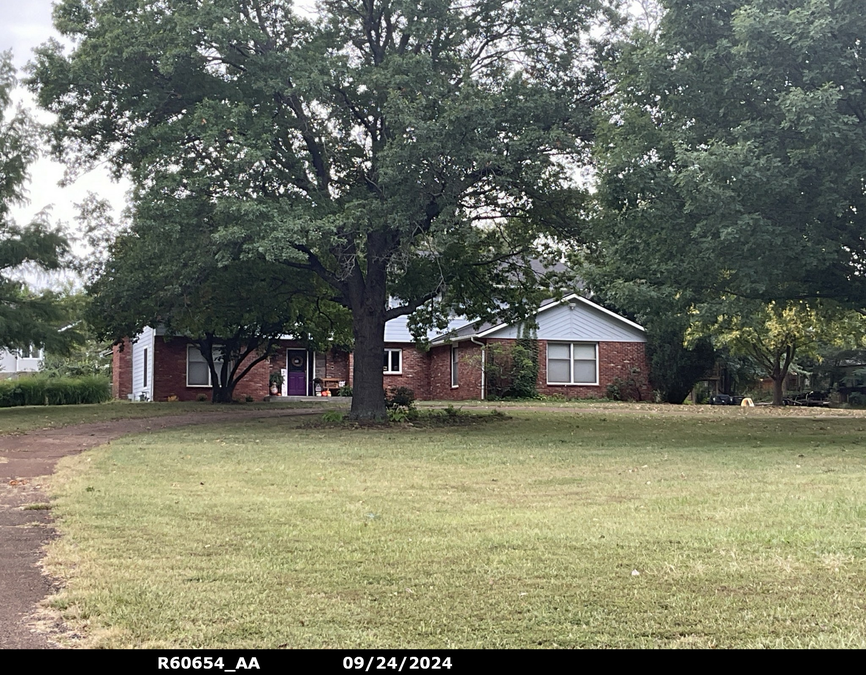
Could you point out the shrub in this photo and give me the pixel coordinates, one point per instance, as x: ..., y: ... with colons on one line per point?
x: 399, y: 414
x: 400, y: 397
x: 345, y: 390
x: 628, y: 389
x: 856, y: 398
x: 54, y: 391
x: 512, y: 371
x: 524, y: 369
x: 332, y: 416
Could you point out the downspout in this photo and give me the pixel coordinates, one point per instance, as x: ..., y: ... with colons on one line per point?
x: 483, y: 364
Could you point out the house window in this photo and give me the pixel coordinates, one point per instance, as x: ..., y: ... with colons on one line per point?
x: 197, y: 370
x: 454, y: 363
x: 572, y: 363
x: 393, y: 362
x: 29, y: 352
x: 144, y: 371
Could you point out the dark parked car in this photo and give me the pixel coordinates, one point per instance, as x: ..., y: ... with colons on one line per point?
x: 725, y: 399
x: 812, y: 399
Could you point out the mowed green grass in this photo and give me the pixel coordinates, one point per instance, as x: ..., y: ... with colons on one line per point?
x: 629, y: 527
x: 31, y: 418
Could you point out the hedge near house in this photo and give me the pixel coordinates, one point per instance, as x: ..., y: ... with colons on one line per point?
x: 54, y: 391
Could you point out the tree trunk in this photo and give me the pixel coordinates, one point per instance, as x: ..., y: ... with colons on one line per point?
x: 368, y: 401
x: 780, y: 373
x: 368, y: 328
x: 779, y: 388
x: 223, y: 394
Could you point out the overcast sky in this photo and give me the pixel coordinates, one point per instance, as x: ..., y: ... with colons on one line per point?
x: 26, y: 24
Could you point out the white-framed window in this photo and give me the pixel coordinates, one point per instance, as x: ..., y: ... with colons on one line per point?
x: 197, y: 370
x: 393, y: 364
x: 572, y: 363
x: 455, y: 362
x: 29, y: 352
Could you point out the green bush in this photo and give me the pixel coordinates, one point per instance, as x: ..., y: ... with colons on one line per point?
x: 400, y: 397
x: 54, y: 391
x: 628, y: 389
x: 332, y: 416
x: 856, y: 398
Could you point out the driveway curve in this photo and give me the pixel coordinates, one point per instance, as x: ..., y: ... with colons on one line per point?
x: 26, y: 460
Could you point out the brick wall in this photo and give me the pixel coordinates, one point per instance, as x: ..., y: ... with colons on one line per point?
x: 416, y: 371
x: 428, y: 374
x: 337, y: 364
x: 615, y: 359
x: 121, y: 369
x: 169, y: 375
x: 468, y: 373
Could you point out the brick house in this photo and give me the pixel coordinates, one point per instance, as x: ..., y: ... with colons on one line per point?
x: 582, y: 348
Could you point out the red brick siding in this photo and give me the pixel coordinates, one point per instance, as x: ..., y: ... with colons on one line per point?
x: 615, y: 359
x: 468, y: 373
x: 169, y: 375
x: 415, y: 366
x: 121, y: 369
x: 428, y: 374
x: 337, y: 364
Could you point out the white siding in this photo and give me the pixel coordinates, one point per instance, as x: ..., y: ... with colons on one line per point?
x: 397, y: 330
x: 577, y: 322
x: 139, y: 344
x: 10, y: 364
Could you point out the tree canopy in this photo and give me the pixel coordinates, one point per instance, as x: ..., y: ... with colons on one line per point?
x: 730, y: 159
x: 406, y: 153
x: 167, y: 270
x: 732, y: 154
x: 27, y: 318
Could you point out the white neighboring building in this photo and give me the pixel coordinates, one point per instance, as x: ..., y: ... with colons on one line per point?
x: 19, y: 361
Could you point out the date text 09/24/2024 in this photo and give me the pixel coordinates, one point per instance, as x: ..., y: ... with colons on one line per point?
x: 349, y: 663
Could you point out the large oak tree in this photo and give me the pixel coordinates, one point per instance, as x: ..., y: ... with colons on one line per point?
x: 406, y: 153
x: 731, y: 158
x: 733, y: 152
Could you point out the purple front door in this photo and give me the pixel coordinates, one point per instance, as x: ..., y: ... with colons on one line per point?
x: 297, y: 367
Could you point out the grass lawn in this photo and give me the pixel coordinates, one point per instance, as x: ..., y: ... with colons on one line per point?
x: 617, y: 527
x: 28, y: 418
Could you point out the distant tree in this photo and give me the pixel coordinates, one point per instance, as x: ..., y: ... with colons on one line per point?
x: 675, y: 364
x: 27, y: 318
x: 89, y: 356
x: 406, y: 153
x: 774, y: 335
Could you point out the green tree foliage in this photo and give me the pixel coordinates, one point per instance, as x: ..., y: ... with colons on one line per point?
x: 406, y: 153
x: 167, y: 270
x: 732, y: 155
x: 731, y: 158
x: 26, y: 318
x: 90, y: 356
x: 676, y: 366
x: 775, y: 334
